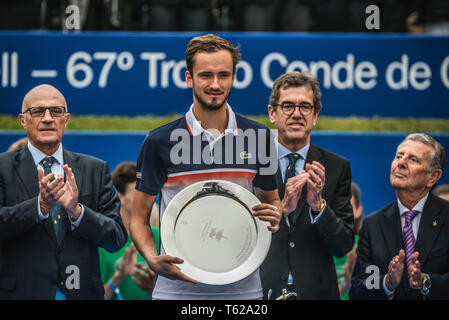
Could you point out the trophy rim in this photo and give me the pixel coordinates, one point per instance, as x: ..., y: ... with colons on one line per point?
x: 244, y: 268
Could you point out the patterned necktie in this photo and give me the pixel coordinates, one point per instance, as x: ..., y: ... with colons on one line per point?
x: 55, y: 215
x: 290, y: 172
x: 408, y: 237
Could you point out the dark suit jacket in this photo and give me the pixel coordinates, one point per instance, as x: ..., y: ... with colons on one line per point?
x: 32, y: 262
x: 305, y: 249
x: 381, y: 239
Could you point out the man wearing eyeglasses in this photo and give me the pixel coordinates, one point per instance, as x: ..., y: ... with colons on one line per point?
x: 56, y: 208
x: 315, y: 188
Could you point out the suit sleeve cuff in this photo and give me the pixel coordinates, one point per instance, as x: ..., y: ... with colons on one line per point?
x: 76, y: 223
x: 41, y: 216
x: 384, y: 284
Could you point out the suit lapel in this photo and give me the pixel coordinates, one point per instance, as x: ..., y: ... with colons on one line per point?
x: 392, y: 233
x: 300, y: 208
x: 27, y: 172
x: 429, y: 229
x: 313, y: 155
x: 72, y: 161
x: 281, y: 185
x: 391, y: 230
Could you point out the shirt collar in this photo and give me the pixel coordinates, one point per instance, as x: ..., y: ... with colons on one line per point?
x: 39, y: 155
x: 195, y: 127
x: 418, y: 207
x: 283, y: 151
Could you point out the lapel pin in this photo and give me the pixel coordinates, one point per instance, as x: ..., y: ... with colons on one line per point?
x: 434, y: 223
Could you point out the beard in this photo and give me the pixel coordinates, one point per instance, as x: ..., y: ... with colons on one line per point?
x: 210, y: 106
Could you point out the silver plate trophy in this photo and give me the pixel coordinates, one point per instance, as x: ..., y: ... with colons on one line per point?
x: 210, y: 226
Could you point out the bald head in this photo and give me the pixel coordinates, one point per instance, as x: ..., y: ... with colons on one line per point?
x: 43, y: 91
x: 44, y: 130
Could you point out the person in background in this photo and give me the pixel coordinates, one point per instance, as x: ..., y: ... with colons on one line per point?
x: 345, y: 265
x: 125, y: 273
x: 442, y: 191
x: 19, y: 144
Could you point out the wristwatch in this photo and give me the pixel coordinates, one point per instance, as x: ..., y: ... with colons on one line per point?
x: 426, y: 284
x: 323, y: 203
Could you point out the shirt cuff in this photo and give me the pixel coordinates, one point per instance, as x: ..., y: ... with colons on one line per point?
x: 78, y: 221
x: 318, y: 215
x: 384, y: 284
x: 41, y: 216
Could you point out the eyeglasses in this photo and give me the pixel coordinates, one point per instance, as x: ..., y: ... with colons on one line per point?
x: 288, y: 108
x: 39, y: 112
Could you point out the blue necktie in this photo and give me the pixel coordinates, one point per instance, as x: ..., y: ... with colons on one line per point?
x: 55, y: 214
x: 290, y: 171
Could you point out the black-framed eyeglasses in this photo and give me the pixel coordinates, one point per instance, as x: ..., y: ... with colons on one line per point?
x: 39, y: 112
x: 288, y: 108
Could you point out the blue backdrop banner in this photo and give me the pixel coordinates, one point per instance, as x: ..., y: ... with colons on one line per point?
x: 143, y: 73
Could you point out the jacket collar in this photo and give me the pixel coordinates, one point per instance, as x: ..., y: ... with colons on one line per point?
x: 38, y: 155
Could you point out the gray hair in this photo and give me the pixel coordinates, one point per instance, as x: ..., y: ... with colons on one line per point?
x: 438, y: 156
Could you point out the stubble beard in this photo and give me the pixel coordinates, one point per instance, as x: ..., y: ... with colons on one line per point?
x: 210, y: 106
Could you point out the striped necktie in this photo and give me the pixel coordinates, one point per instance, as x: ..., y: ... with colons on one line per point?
x: 408, y: 237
